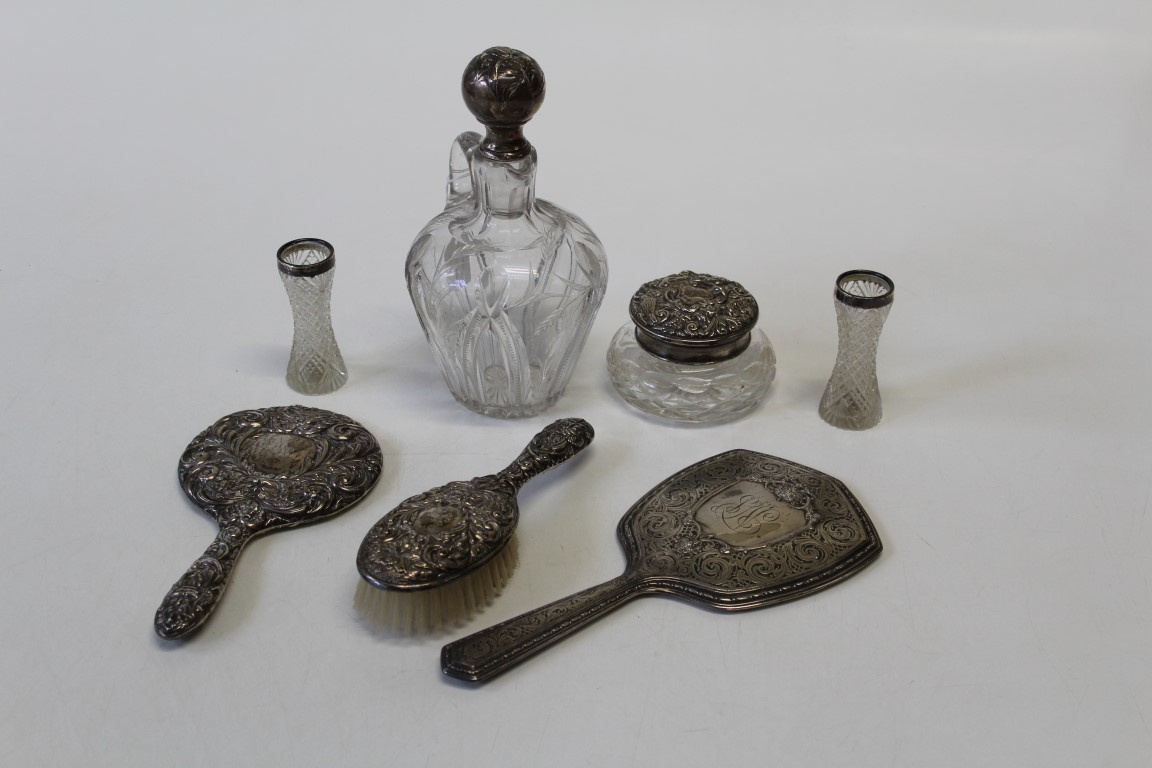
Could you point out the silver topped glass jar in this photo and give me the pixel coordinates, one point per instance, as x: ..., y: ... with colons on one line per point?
x: 691, y: 351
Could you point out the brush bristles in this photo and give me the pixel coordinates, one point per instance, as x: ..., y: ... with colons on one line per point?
x: 433, y: 610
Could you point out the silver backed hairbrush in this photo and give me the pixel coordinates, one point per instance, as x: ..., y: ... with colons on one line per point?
x: 443, y: 554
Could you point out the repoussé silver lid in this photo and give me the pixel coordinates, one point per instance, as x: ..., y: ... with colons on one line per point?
x: 693, y: 318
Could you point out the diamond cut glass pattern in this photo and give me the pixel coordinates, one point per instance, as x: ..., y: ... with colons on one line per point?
x: 315, y: 366
x: 852, y: 398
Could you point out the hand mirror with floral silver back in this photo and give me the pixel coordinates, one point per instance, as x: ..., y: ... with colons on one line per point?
x: 738, y: 531
x: 259, y: 471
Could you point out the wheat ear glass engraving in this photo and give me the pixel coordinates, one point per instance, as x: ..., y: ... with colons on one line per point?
x: 734, y: 532
x: 505, y: 286
x: 307, y: 267
x: 259, y: 471
x: 852, y: 398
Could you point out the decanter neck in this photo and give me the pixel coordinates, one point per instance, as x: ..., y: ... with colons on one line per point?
x: 505, y: 187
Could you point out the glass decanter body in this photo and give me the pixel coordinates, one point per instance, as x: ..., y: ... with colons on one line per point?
x: 506, y: 286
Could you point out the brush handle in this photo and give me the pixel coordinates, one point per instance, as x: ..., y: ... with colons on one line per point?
x: 490, y: 652
x: 193, y: 598
x: 553, y: 445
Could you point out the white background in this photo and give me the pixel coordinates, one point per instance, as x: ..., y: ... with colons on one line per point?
x: 994, y: 157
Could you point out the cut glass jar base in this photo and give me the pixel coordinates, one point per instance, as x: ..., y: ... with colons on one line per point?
x: 695, y: 393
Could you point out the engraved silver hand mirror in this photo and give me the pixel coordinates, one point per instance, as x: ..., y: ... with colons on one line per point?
x: 259, y: 471
x: 738, y: 531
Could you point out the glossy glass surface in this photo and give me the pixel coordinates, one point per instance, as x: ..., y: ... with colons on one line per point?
x: 707, y: 392
x: 852, y: 397
x: 506, y: 286
x: 315, y: 366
